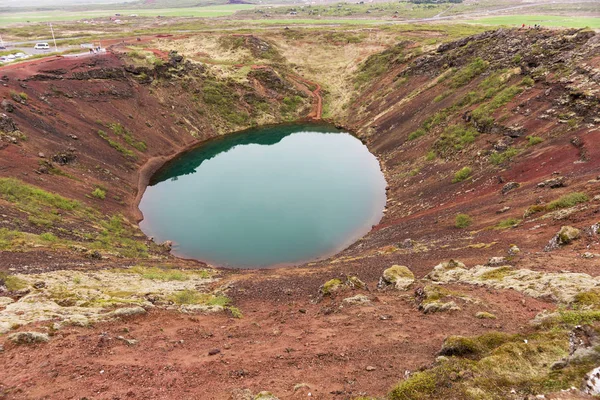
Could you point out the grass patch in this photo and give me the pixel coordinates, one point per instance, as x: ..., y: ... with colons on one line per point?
x: 16, y: 191
x: 121, y: 131
x: 8, y: 238
x: 507, y: 223
x: 455, y: 138
x: 221, y: 98
x: 533, y: 140
x: 501, y: 158
x: 568, y: 200
x: 377, y: 64
x: 462, y: 174
x: 462, y: 221
x: 469, y: 72
x: 116, y: 145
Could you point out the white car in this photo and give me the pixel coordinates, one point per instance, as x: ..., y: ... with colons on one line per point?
x: 3, y: 59
x: 41, y: 46
x: 21, y: 55
x: 11, y: 57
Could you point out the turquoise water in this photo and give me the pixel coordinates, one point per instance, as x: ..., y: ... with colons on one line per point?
x: 279, y: 195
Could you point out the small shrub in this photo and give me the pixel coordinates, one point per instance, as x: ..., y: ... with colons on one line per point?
x: 417, y: 134
x: 99, y: 194
x: 430, y: 155
x: 462, y: 221
x: 533, y: 140
x: 528, y: 81
x: 462, y: 174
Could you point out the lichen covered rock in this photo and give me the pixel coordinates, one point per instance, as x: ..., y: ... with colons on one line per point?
x: 399, y: 276
x: 28, y: 337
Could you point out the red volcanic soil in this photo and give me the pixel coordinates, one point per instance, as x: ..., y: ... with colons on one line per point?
x: 283, y: 340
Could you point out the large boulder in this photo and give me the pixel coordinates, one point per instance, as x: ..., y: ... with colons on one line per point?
x: 399, y: 276
x: 567, y: 234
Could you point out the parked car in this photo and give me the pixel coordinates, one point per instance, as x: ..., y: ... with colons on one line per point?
x: 3, y: 59
x: 21, y: 55
x: 41, y: 46
x: 11, y: 57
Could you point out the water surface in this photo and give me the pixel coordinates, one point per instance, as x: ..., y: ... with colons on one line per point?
x: 279, y: 195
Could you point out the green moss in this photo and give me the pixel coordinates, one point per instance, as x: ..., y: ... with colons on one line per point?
x: 578, y: 317
x: 496, y: 273
x: 165, y: 274
x: 462, y: 221
x: 331, y: 286
x: 590, y: 298
x: 568, y: 200
x: 462, y: 174
x: 11, y: 282
x: 194, y: 297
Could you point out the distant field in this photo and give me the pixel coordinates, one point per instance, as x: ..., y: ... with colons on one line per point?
x: 51, y: 16
x: 544, y: 20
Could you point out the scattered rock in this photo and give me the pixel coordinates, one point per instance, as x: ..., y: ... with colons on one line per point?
x: 399, y: 276
x: 513, y: 250
x: 7, y: 125
x: 4, y: 301
x: 510, y: 186
x: 503, y: 210
x: 214, y: 352
x: 553, y: 183
x: 358, y: 299
x: 128, y: 342
x: 241, y: 394
x: 265, y: 396
x: 355, y: 283
x: 370, y: 368
x: 65, y: 157
x: 7, y: 106
x: 497, y: 261
x: 28, y: 337
x: 438, y: 306
x: 39, y: 285
x: 128, y: 311
x: 301, y: 386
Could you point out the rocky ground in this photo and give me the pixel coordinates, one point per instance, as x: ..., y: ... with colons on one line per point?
x: 489, y: 148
